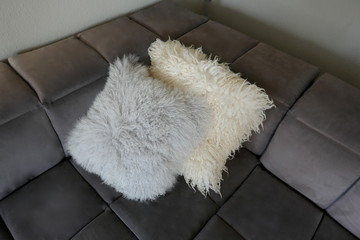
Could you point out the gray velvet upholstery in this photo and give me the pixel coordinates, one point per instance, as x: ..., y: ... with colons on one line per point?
x: 263, y: 204
x: 217, y: 229
x: 17, y: 97
x: 203, y: 36
x: 58, y: 204
x: 283, y: 77
x: 347, y: 209
x: 167, y: 20
x: 315, y: 149
x: 306, y: 185
x: 60, y: 68
x: 65, y: 111
x: 119, y: 37
x: 4, y: 231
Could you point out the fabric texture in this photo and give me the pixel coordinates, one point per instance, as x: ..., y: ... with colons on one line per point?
x: 237, y: 107
x: 138, y: 131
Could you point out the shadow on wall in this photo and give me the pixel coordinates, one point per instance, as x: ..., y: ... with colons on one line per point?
x: 309, y: 51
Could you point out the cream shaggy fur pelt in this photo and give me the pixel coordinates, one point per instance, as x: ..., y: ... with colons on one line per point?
x: 237, y: 107
x: 138, y: 131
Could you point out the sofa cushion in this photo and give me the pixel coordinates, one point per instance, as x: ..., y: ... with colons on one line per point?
x: 65, y: 111
x: 167, y: 19
x: 119, y: 37
x: 347, y: 209
x: 55, y: 205
x: 332, y: 107
x: 329, y: 229
x: 28, y: 143
x: 239, y: 168
x: 282, y: 76
x: 138, y: 131
x: 66, y: 76
x: 236, y: 107
x: 107, y: 193
x: 265, y: 208
x: 16, y: 97
x: 4, y: 231
x: 106, y: 226
x: 310, y: 151
x: 228, y: 44
x: 58, y: 69
x: 60, y: 204
x: 180, y: 214
x: 216, y: 229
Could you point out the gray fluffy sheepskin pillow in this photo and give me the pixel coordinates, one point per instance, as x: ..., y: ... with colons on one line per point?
x: 138, y: 131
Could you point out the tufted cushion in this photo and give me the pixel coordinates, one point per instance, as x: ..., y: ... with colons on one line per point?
x: 119, y: 37
x: 180, y: 214
x: 64, y: 70
x: 255, y: 204
x: 4, y: 231
x: 316, y: 148
x: 58, y: 204
x: 28, y: 144
x: 17, y: 97
x: 265, y: 208
x: 283, y: 77
x: 349, y: 204
x: 203, y: 36
x: 167, y: 19
x: 216, y: 228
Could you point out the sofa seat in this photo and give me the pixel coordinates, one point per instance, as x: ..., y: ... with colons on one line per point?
x: 297, y: 179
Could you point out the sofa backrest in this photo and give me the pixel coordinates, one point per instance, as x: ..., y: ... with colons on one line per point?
x: 311, y: 140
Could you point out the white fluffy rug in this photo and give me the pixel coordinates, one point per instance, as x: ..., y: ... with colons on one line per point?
x: 237, y: 107
x: 138, y: 131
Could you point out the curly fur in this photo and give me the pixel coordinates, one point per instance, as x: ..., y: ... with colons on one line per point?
x: 237, y: 107
x: 137, y: 132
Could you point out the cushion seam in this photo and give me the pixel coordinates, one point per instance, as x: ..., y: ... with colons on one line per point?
x: 158, y: 34
x: 36, y: 107
x: 246, y: 51
x: 83, y: 227
x: 311, y: 82
x: 80, y: 38
x: 191, y: 29
x: 238, y: 187
x: 7, y: 228
x: 228, y: 224
x: 203, y: 226
x: 318, y: 226
x: 144, y: 26
x: 122, y: 219
x: 23, y: 185
x: 343, y: 193
x: 292, y: 114
x: 73, y: 91
x: 108, y: 205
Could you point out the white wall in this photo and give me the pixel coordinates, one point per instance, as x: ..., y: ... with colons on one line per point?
x: 325, y: 33
x: 26, y: 24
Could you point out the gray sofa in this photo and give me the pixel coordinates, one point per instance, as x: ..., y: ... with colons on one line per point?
x: 297, y: 179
